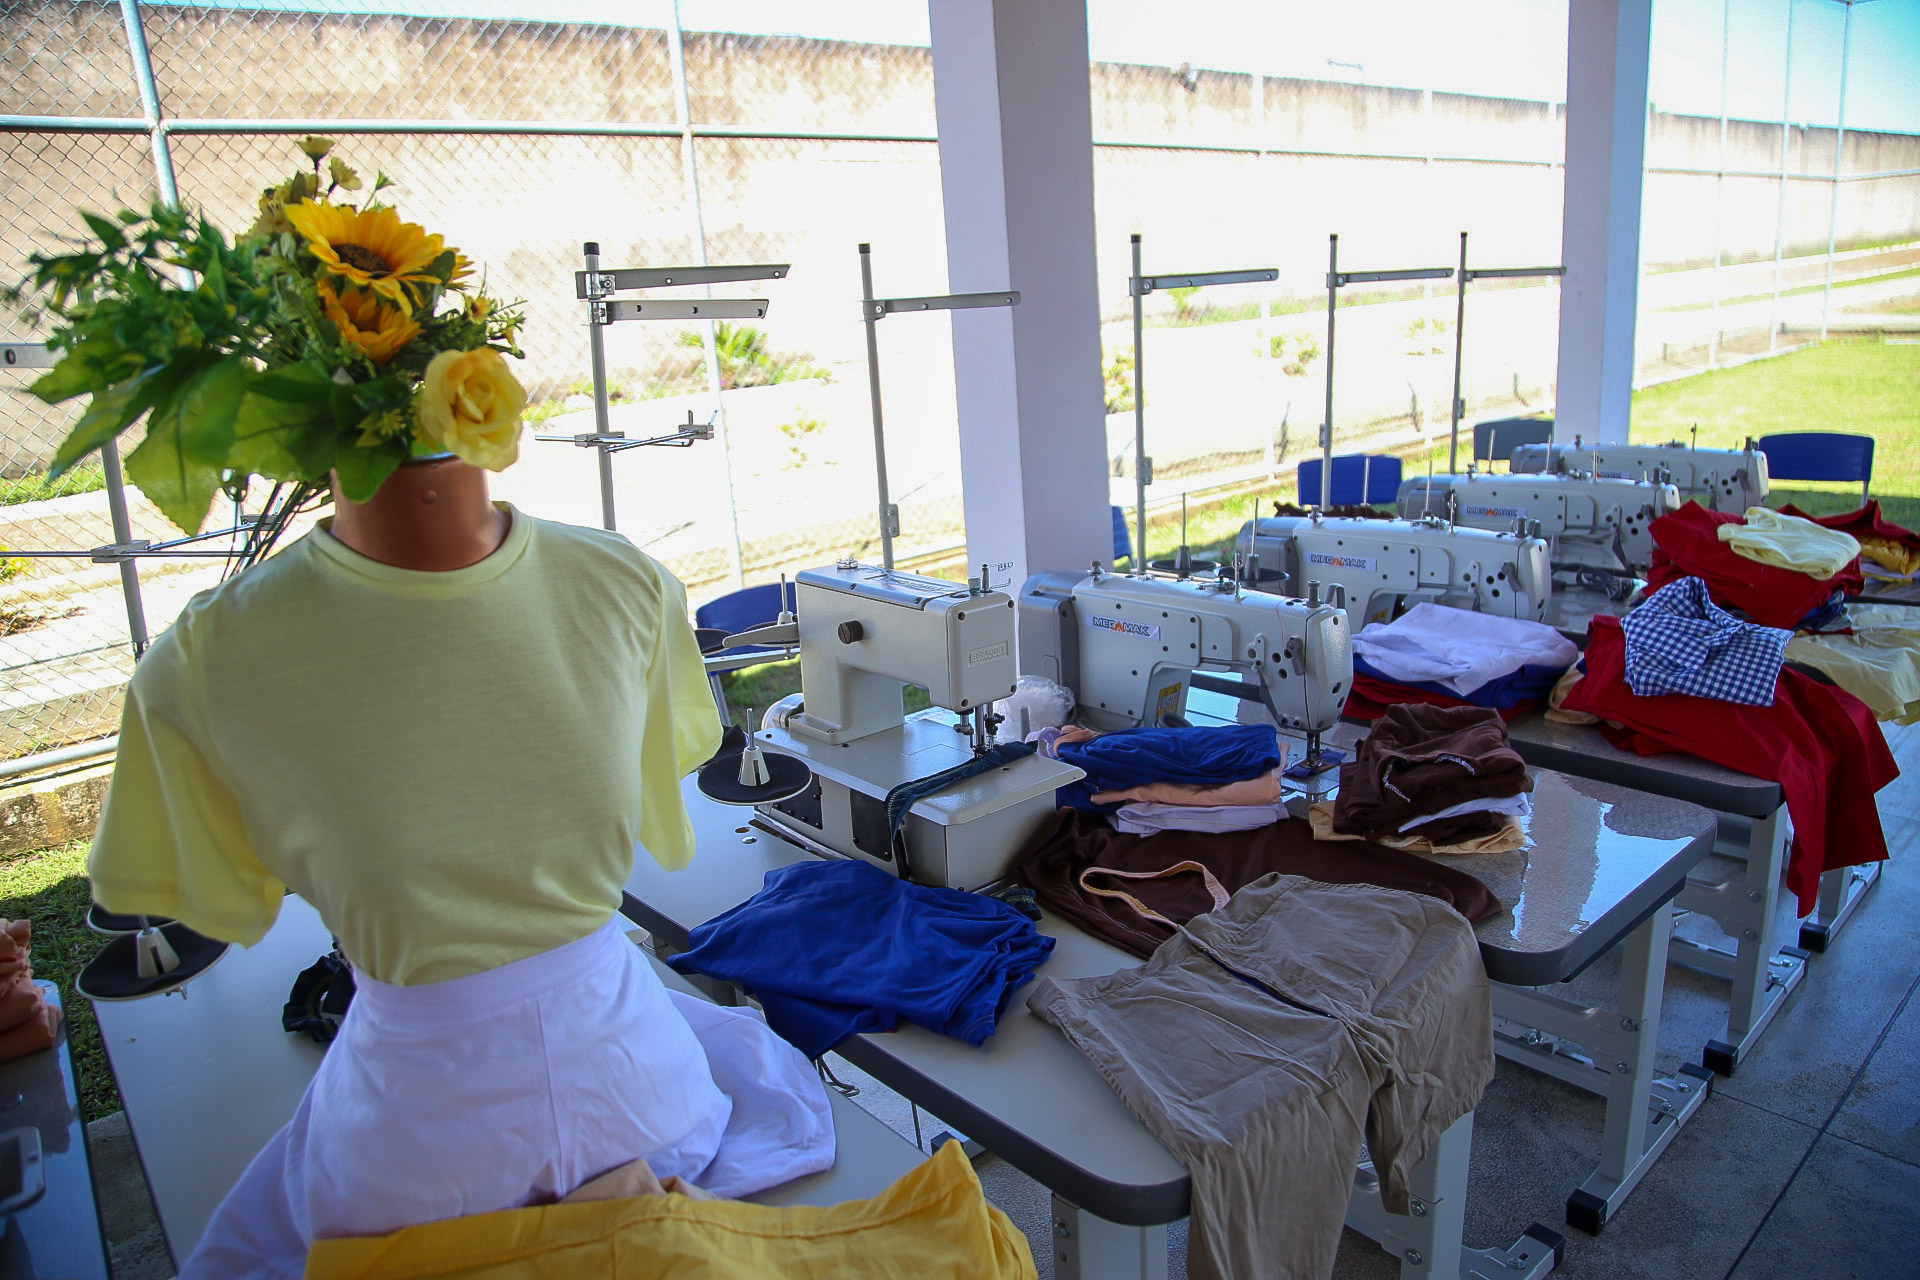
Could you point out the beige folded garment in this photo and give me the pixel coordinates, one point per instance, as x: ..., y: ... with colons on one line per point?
x: 1262, y: 790
x: 1510, y: 835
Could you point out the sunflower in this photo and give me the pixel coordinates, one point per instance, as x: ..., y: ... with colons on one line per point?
x: 370, y: 248
x: 377, y: 330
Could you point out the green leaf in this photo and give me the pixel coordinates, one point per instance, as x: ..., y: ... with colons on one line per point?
x: 200, y: 415
x: 364, y: 468
x: 112, y: 411
x: 285, y: 428
x: 106, y: 229
x: 94, y: 364
x: 182, y: 487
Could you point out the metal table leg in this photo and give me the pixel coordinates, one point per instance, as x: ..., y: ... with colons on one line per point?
x: 1609, y: 1052
x: 1840, y: 892
x: 1428, y: 1241
x: 1090, y: 1248
x: 1762, y: 975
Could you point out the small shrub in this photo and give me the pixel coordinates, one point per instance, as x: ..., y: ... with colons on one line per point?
x: 1295, y: 351
x: 1117, y: 374
x: 797, y: 432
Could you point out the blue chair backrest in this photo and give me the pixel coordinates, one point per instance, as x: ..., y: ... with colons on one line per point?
x: 1379, y: 473
x: 1818, y: 455
x: 1122, y: 540
x: 1508, y: 434
x: 742, y: 610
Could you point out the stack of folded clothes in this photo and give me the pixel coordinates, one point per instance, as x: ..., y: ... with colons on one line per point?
x: 1820, y: 743
x: 1774, y: 569
x: 1186, y: 779
x: 1437, y: 778
x: 1447, y: 657
x: 1887, y: 551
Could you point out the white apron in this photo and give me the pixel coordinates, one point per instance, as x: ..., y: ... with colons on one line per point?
x: 513, y: 1087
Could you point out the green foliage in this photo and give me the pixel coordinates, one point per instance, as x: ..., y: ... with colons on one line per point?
x: 1117, y: 376
x: 50, y: 889
x: 38, y: 487
x: 744, y: 360
x: 1184, y: 312
x: 234, y: 353
x: 1295, y: 351
x: 797, y: 431
x: 1426, y: 334
x: 12, y: 567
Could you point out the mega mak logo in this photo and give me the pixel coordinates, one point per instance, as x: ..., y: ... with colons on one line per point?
x: 1364, y: 564
x: 1125, y: 628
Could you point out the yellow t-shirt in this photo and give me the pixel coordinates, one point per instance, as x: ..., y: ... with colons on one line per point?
x: 453, y: 768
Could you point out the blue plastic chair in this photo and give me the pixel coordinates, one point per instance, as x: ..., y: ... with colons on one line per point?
x: 1820, y: 455
x: 1508, y: 434
x: 740, y: 611
x: 1122, y: 540
x: 1357, y: 478
x: 743, y: 610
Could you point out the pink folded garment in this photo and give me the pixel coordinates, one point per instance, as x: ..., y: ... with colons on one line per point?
x: 1264, y: 789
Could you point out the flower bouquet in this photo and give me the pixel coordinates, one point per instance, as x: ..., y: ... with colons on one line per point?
x: 330, y: 338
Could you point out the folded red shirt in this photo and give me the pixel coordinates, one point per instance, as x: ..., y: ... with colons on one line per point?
x: 1687, y: 544
x: 1820, y: 743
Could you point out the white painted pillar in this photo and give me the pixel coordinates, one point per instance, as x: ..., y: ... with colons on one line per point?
x: 1016, y: 175
x: 1608, y: 43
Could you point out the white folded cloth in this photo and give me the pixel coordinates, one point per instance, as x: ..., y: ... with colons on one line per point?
x: 1519, y: 806
x: 1459, y: 649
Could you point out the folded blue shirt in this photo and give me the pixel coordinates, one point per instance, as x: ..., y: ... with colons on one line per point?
x: 837, y: 946
x: 1198, y: 756
x: 1533, y: 681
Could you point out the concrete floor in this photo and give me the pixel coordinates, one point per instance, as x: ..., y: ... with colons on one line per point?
x: 1805, y: 1165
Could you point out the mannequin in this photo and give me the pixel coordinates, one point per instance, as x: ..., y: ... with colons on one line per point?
x: 433, y: 514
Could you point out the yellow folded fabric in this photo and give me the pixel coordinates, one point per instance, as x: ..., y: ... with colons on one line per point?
x: 1878, y: 664
x: 1791, y: 543
x: 932, y: 1224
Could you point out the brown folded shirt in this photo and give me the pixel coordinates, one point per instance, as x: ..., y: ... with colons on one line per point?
x: 1139, y: 891
x: 1420, y: 759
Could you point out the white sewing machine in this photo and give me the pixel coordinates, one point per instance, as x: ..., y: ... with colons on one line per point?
x: 1722, y: 479
x: 1388, y: 566
x: 865, y: 633
x: 1129, y: 648
x: 1590, y: 522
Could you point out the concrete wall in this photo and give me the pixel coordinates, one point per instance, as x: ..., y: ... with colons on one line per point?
x: 1186, y: 169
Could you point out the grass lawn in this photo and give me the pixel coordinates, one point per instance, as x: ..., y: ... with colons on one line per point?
x: 50, y: 889
x: 1860, y: 386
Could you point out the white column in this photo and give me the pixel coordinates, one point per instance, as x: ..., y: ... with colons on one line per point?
x: 1607, y: 52
x: 1016, y: 175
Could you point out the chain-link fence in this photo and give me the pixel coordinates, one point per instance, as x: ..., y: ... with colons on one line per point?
x: 521, y: 139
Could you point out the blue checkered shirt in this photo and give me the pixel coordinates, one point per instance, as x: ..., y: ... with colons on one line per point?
x: 1680, y: 641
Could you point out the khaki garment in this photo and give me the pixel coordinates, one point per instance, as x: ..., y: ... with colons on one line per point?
x: 1878, y: 664
x: 1790, y: 542
x: 1265, y: 1039
x: 932, y: 1224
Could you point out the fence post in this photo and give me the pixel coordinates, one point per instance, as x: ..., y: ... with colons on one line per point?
x: 690, y: 171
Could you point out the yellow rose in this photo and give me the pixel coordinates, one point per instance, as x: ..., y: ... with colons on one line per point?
x: 470, y: 405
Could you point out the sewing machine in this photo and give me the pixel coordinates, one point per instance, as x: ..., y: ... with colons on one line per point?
x: 1130, y: 647
x: 1722, y: 479
x: 1590, y: 522
x: 1388, y: 566
x: 865, y: 633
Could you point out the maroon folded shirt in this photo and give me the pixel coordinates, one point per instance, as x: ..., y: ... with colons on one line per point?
x: 1687, y: 544
x: 1820, y: 743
